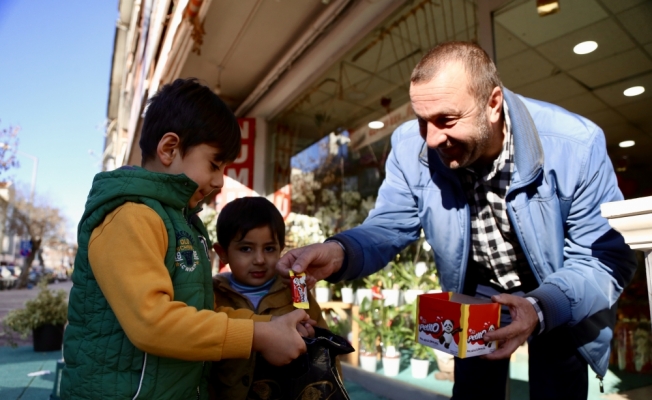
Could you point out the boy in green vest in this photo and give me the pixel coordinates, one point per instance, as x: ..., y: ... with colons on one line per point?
x: 142, y: 320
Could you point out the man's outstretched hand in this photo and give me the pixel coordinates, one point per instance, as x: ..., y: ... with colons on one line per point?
x: 318, y: 261
x: 524, y: 321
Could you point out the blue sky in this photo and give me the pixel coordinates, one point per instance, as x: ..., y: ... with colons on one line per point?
x: 54, y: 80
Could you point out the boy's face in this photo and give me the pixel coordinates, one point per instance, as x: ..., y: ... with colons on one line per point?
x: 252, y: 259
x: 199, y: 164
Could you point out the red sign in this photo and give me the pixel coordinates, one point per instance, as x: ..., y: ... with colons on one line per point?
x: 283, y: 200
x: 239, y: 176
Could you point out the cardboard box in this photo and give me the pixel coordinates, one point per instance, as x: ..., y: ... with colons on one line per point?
x: 455, y: 323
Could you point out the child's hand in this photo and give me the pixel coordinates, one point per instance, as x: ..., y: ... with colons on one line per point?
x: 278, y: 340
x: 306, y: 329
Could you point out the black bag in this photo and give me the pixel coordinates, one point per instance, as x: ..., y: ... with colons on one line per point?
x: 312, y: 376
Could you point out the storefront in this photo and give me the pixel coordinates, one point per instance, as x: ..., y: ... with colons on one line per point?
x: 319, y: 86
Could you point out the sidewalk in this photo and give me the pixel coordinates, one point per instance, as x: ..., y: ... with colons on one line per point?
x: 16, y: 363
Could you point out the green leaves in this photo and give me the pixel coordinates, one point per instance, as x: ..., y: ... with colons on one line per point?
x: 48, y: 307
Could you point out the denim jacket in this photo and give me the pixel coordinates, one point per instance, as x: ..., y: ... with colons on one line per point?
x: 562, y: 174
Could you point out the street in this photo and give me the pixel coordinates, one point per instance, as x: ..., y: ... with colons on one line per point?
x: 15, y: 298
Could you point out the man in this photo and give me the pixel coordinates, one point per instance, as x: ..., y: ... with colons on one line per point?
x: 507, y: 191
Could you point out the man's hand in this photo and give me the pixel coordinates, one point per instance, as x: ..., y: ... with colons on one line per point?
x: 318, y: 261
x: 278, y: 340
x: 524, y: 321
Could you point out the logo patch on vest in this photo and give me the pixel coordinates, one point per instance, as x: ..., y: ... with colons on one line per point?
x: 186, y: 258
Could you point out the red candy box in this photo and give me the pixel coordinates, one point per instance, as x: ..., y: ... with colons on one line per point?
x: 455, y: 323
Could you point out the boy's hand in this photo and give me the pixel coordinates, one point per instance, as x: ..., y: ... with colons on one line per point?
x: 278, y: 340
x: 306, y: 329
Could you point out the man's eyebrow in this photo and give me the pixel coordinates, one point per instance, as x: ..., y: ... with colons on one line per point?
x: 439, y: 113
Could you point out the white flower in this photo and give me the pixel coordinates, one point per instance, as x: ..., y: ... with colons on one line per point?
x: 420, y: 268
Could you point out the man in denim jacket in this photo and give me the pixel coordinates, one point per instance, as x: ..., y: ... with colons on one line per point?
x: 507, y: 191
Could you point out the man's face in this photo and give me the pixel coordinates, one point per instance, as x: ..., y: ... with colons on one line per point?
x: 450, y: 120
x: 199, y: 164
x: 253, y: 258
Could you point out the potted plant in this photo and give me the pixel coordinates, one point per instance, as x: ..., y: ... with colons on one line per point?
x: 420, y: 361
x: 347, y: 293
x: 421, y: 355
x: 394, y: 334
x: 322, y: 292
x: 383, y: 286
x: 415, y: 279
x: 44, y: 316
x: 368, y: 332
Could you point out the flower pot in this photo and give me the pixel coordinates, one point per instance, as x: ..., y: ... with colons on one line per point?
x: 322, y: 294
x: 361, y: 294
x: 410, y: 296
x: 368, y: 362
x: 419, y: 368
x: 48, y: 338
x: 391, y: 361
x: 392, y: 297
x: 347, y: 295
x: 391, y: 365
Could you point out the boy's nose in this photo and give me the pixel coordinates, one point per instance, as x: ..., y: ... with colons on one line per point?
x: 218, y: 181
x: 259, y: 259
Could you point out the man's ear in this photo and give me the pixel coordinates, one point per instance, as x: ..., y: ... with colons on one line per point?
x: 167, y: 148
x: 495, y: 105
x: 221, y: 253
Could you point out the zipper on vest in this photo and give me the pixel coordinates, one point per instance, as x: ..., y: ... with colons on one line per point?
x: 142, y: 376
x: 601, y: 383
x: 203, y: 364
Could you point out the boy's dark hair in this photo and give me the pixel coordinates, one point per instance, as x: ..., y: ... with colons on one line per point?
x: 244, y: 214
x: 196, y: 114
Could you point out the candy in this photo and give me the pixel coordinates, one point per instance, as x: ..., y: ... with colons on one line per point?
x: 299, y: 290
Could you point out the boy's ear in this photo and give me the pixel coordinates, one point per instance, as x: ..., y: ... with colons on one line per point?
x: 221, y: 253
x: 167, y: 148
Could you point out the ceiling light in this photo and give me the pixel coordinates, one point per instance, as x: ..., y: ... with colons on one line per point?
x: 634, y: 91
x: 585, y: 47
x: 626, y: 143
x: 376, y: 124
x: 547, y: 7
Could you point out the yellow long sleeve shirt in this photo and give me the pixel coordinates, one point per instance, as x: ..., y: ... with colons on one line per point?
x: 126, y: 253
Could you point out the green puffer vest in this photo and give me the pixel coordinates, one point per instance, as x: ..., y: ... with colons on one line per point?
x: 101, y: 362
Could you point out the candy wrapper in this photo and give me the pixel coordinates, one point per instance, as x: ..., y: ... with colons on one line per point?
x: 299, y: 290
